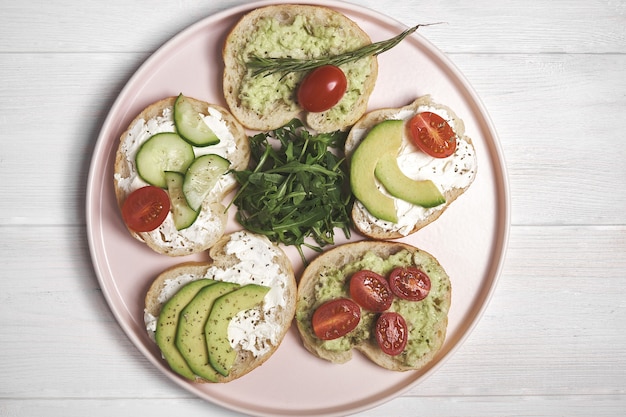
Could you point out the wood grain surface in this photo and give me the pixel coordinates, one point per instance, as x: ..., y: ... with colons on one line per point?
x: 552, y: 76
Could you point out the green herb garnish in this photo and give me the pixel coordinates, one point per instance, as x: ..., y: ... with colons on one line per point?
x: 298, y: 188
x: 268, y: 66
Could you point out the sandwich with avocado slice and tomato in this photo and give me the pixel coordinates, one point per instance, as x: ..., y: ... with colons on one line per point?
x: 407, y: 165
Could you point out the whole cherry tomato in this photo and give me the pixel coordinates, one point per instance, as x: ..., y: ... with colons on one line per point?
x: 432, y: 134
x: 371, y: 291
x: 409, y: 283
x: 336, y: 318
x: 391, y: 333
x: 145, y: 208
x: 322, y: 88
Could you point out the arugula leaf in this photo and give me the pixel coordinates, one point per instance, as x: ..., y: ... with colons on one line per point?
x: 298, y: 189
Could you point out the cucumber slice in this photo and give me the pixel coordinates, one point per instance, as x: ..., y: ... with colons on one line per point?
x: 184, y: 216
x: 201, y: 177
x: 190, y: 125
x: 163, y: 152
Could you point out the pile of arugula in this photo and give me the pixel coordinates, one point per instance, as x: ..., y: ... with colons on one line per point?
x: 298, y: 188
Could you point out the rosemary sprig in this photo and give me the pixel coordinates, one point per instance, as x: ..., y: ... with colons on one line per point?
x: 268, y: 66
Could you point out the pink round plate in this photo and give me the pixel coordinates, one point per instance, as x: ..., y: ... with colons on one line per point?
x: 469, y: 239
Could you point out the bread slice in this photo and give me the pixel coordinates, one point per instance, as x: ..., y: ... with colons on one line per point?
x: 211, y: 222
x: 464, y: 161
x: 315, y: 31
x: 334, y: 269
x: 227, y: 260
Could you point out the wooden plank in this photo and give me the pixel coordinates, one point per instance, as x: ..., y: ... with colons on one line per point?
x: 549, y: 140
x: 568, y: 26
x: 117, y: 26
x: 554, y: 327
x: 52, y: 107
x: 558, y: 118
x: 556, y: 322
x: 484, y: 406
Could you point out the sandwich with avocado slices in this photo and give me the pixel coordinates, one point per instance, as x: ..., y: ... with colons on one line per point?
x: 388, y: 300
x: 329, y: 98
x: 172, y: 171
x: 407, y: 165
x: 219, y: 320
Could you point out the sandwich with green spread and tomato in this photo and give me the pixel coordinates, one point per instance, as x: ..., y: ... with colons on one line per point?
x: 172, y: 171
x: 407, y: 165
x: 388, y: 300
x: 265, y: 97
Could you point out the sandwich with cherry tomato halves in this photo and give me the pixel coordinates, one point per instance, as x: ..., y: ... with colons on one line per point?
x: 388, y: 300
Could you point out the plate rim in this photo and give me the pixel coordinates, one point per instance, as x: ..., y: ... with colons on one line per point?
x: 497, y: 160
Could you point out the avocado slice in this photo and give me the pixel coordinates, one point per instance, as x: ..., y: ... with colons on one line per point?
x: 221, y: 355
x: 385, y: 137
x: 190, y: 339
x: 422, y: 193
x: 167, y: 323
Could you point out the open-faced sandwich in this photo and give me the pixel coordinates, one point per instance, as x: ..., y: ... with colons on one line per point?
x: 388, y: 300
x: 407, y: 165
x: 331, y: 97
x: 217, y: 321
x: 172, y: 171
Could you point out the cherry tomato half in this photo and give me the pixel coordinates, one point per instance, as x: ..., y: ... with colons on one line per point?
x: 371, y: 291
x: 146, y: 208
x: 432, y: 134
x: 409, y: 283
x: 391, y: 333
x: 322, y: 88
x: 336, y: 318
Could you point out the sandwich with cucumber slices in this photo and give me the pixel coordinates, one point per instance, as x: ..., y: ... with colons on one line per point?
x: 172, y: 171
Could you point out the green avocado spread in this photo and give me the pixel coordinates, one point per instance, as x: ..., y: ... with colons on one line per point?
x: 298, y: 39
x: 422, y: 317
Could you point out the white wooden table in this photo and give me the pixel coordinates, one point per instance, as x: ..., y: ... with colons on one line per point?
x: 553, y: 78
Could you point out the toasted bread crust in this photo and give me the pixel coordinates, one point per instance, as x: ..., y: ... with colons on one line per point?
x: 360, y: 216
x: 213, y: 213
x: 246, y: 361
x: 350, y: 253
x: 282, y: 111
